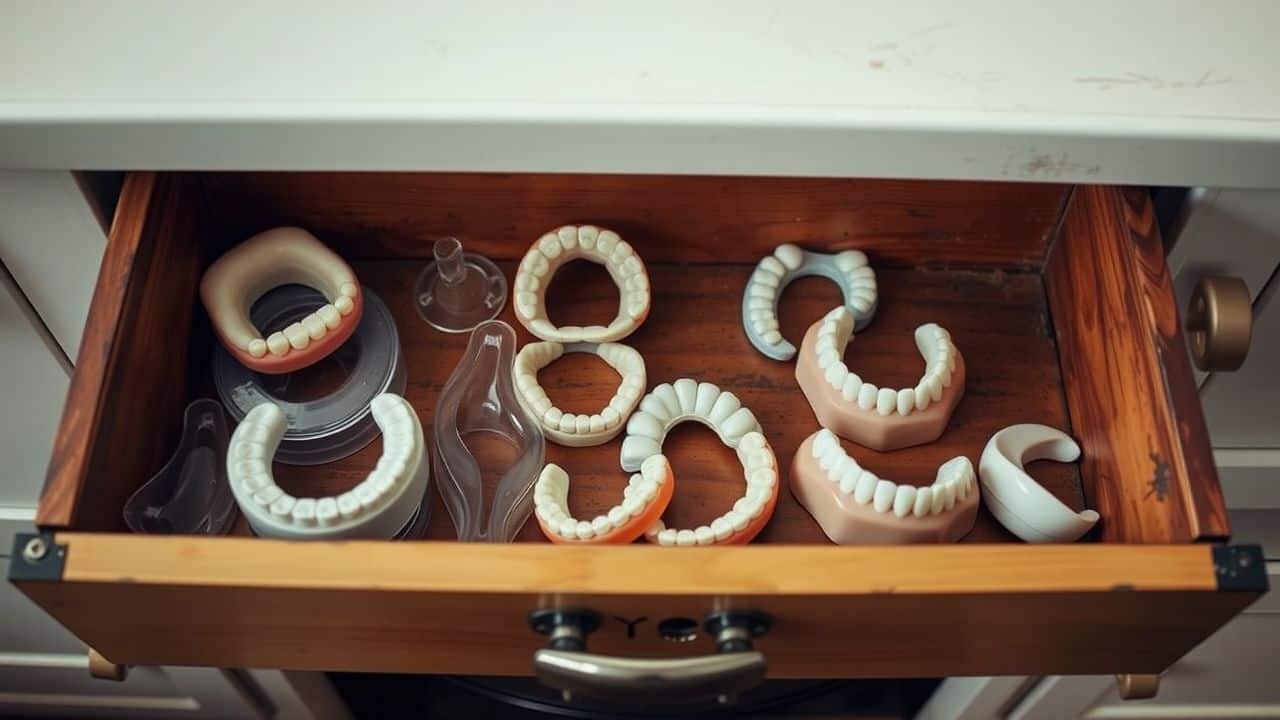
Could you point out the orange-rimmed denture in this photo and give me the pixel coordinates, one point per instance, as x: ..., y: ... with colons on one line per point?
x: 643, y: 502
x: 749, y: 514
x: 282, y: 256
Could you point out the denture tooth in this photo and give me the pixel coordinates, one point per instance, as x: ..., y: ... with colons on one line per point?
x: 667, y: 536
x: 666, y: 394
x: 738, y: 424
x: 544, y: 512
x: 924, y: 502
x: 937, y: 499
x: 922, y: 397
x: 568, y: 423
x: 644, y: 425
x: 526, y: 304
x: 277, y: 343
x: 257, y: 347
x: 637, y: 304
x: 282, y: 507
x: 606, y: 241
x: 705, y: 398
x: 850, y: 260
x: 836, y: 373
x: 304, y: 511
x: 882, y: 501
x: 789, y: 255
x: 862, y: 299
x: 948, y: 494
x: 760, y: 291
x: 587, y: 236
x: 611, y: 417
x: 553, y: 416
x: 886, y: 401
x: 655, y: 469
x: 737, y: 520
x: 906, y: 401
x: 636, y: 448
x: 849, y: 478
x: 567, y: 527
x: 348, y: 505
x: 850, y: 387
x: 686, y: 394
x: 721, y: 529
x: 771, y: 264
x: 525, y: 281
x: 724, y: 406
x: 772, y: 337
x: 686, y: 538
x: 764, y: 477
x: 765, y: 279
x: 601, y: 524
x: 826, y: 359
x: 268, y: 495
x: 823, y: 441
x: 904, y: 501
x: 549, y: 245
x: 935, y: 388
x: 831, y: 458
x: 867, y: 395
x: 568, y: 237
x: 865, y: 489
x: 765, y: 324
x: 344, y: 305
x: 617, y: 515
x: 297, y: 336
x: 759, y: 303
x: 584, y: 530
x: 595, y: 423
x: 314, y: 326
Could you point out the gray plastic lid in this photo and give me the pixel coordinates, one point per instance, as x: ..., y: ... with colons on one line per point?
x: 324, y: 424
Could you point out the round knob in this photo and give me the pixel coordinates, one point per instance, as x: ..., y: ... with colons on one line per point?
x: 1219, y: 323
x: 1137, y: 687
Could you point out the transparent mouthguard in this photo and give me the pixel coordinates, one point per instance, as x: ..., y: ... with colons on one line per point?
x: 481, y: 430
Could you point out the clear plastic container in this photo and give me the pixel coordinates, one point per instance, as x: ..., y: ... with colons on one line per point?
x: 481, y: 430
x: 327, y: 404
x: 190, y: 495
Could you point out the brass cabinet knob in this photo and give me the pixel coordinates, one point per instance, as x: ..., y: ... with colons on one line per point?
x: 104, y: 669
x: 1219, y: 323
x: 1137, y: 687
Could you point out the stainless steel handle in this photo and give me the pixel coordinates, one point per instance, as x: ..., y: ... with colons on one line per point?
x: 569, y: 668
x: 1219, y: 323
x: 718, y: 677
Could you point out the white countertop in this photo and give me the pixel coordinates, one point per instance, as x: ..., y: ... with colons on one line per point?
x: 1092, y: 91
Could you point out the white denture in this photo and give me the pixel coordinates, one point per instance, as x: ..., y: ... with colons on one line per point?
x: 935, y: 346
x: 954, y: 482
x: 848, y: 269
x: 379, y: 507
x: 591, y: 243
x: 749, y: 514
x: 281, y: 256
x: 1020, y: 503
x: 580, y: 430
x: 643, y: 500
x: 670, y: 404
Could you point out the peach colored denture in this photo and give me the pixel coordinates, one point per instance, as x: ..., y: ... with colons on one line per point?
x: 282, y: 256
x: 643, y: 501
x: 854, y: 507
x: 879, y: 418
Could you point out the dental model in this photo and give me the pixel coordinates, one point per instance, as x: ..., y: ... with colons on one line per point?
x: 643, y: 502
x: 750, y: 513
x: 855, y: 507
x: 1020, y: 503
x: 879, y: 418
x: 379, y: 507
x: 848, y: 269
x: 592, y: 243
x: 670, y: 404
x: 580, y: 430
x: 283, y: 256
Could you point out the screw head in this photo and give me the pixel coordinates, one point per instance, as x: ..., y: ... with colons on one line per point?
x: 35, y: 550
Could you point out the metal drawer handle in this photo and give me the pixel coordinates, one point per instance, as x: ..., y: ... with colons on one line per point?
x: 1219, y: 323
x: 566, y: 666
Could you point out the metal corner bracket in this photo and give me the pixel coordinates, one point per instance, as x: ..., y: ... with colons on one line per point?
x: 1240, y: 568
x: 36, y: 558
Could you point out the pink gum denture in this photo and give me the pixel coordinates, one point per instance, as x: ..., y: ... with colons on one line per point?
x: 283, y: 256
x: 855, y: 507
x: 879, y: 418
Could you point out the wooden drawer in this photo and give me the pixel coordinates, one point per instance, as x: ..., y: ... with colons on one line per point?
x: 1058, y: 296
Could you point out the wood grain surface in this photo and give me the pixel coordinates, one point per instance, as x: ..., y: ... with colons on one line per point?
x: 672, y: 218
x: 123, y: 411
x: 446, y: 607
x: 1147, y: 465
x: 997, y: 319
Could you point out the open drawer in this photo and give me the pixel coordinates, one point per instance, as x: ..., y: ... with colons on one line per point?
x: 1058, y: 296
